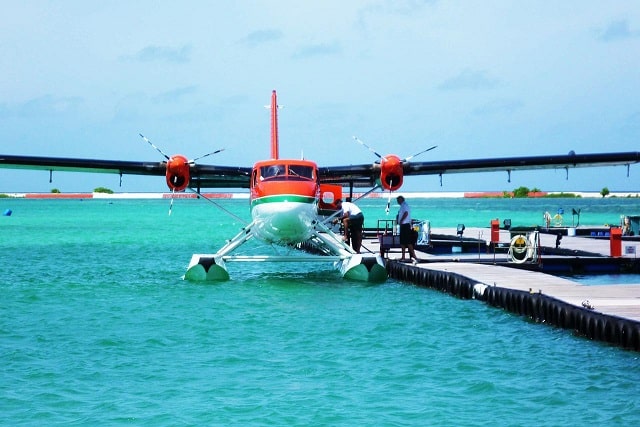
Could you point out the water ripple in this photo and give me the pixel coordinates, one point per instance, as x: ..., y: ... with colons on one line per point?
x: 96, y: 330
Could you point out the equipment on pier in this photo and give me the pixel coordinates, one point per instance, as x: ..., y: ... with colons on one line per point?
x: 523, y: 248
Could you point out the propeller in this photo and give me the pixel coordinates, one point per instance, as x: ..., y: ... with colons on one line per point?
x: 178, y: 169
x: 391, y: 168
x: 406, y: 159
x: 169, y: 157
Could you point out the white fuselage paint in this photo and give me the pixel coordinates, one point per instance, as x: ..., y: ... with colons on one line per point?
x: 284, y: 222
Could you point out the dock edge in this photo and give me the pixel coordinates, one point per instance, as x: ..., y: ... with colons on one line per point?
x: 538, y: 307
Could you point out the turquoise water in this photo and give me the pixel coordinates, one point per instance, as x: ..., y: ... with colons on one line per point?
x: 98, y: 328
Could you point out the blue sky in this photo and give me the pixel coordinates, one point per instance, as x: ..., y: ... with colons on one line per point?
x: 477, y: 78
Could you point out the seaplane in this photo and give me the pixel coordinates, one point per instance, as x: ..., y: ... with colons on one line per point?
x: 293, y: 201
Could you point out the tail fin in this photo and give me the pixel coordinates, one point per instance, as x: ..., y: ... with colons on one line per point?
x: 274, y: 126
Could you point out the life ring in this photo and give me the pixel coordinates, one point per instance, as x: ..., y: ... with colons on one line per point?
x: 519, y: 249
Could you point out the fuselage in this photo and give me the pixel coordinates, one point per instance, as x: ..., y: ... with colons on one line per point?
x: 284, y: 200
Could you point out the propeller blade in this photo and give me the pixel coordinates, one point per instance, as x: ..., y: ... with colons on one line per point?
x: 173, y: 192
x: 389, y: 200
x: 417, y: 154
x: 156, y: 148
x: 208, y: 154
x: 365, y: 145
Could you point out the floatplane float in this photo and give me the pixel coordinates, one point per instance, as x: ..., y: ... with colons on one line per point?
x: 288, y: 196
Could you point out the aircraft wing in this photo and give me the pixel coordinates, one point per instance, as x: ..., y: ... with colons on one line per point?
x: 367, y: 174
x: 202, y: 176
x: 213, y: 176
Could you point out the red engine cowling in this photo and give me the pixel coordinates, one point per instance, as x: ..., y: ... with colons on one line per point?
x: 391, y: 172
x: 178, y: 173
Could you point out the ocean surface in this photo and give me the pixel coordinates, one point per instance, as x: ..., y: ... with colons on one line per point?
x: 97, y: 327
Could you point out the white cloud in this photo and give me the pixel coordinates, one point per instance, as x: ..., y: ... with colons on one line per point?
x: 618, y: 30
x: 469, y: 80
x: 260, y: 37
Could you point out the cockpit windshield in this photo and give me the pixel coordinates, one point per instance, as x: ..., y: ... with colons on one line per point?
x: 272, y: 171
x: 301, y: 171
x: 282, y: 171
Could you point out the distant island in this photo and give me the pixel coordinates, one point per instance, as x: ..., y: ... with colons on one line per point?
x: 245, y: 195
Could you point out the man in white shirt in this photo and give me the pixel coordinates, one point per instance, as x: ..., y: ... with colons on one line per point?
x: 404, y: 220
x: 352, y: 220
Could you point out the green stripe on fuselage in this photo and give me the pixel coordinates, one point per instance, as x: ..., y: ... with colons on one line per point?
x: 281, y: 198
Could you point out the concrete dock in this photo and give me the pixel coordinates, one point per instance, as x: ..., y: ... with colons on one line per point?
x: 614, y: 300
x: 609, y: 313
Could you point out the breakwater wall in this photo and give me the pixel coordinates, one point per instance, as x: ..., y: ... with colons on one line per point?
x: 538, y: 307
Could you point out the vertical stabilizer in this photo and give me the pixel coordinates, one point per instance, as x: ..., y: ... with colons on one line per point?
x: 274, y: 126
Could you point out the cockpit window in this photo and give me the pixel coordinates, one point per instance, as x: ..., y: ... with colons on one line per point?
x: 283, y: 171
x: 272, y: 171
x: 301, y: 171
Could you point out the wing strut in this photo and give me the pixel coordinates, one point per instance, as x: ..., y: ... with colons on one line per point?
x: 330, y: 217
x: 227, y: 211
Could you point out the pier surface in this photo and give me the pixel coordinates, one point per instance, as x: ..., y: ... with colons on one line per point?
x: 620, y: 300
x: 613, y: 300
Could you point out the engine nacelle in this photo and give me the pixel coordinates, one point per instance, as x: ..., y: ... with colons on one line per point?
x: 178, y: 173
x: 391, y: 172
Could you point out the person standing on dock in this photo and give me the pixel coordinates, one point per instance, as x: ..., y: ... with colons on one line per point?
x: 352, y: 221
x: 404, y: 221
